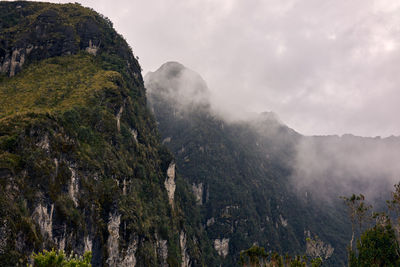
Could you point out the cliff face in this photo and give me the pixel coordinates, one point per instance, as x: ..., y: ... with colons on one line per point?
x: 81, y: 165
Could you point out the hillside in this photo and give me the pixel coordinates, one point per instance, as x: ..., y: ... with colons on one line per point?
x: 147, y: 173
x: 241, y: 173
x: 81, y: 164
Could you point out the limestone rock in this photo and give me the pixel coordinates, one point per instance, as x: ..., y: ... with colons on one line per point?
x: 222, y: 246
x: 198, y: 192
x: 113, y: 239
x: 44, y: 218
x: 184, y: 253
x: 170, y: 183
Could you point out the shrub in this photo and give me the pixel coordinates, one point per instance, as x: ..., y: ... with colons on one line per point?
x: 58, y: 258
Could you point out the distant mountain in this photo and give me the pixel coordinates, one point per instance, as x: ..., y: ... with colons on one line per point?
x: 81, y: 164
x: 242, y: 173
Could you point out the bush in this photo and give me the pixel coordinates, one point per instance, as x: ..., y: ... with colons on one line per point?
x: 58, y: 258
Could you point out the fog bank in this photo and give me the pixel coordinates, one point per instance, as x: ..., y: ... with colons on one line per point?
x: 333, y: 166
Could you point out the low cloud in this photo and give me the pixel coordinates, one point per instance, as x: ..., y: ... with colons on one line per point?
x: 325, y: 167
x: 333, y: 166
x: 179, y: 86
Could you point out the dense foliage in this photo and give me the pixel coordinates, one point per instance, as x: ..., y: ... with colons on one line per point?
x: 81, y: 165
x: 377, y: 244
x: 59, y: 259
x: 257, y: 257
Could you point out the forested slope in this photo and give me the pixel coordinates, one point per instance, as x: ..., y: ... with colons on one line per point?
x: 81, y: 164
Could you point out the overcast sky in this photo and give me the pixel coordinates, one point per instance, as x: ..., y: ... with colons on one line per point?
x: 324, y: 66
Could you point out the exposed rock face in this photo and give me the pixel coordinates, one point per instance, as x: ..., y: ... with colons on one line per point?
x: 118, y: 117
x: 88, y: 243
x: 73, y: 186
x: 283, y: 221
x: 134, y: 134
x: 316, y: 248
x: 124, y: 187
x: 12, y: 62
x: 210, y: 221
x: 44, y: 218
x: 184, y: 253
x: 92, y: 48
x: 222, y: 246
x: 162, y: 251
x: 44, y: 143
x: 130, y: 259
x: 198, y: 192
x: 166, y: 140
x: 113, y: 239
x: 169, y: 183
x: 125, y: 258
x: 17, y: 60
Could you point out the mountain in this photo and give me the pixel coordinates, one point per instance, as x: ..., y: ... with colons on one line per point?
x: 85, y: 165
x: 257, y: 181
x: 241, y: 173
x: 81, y: 163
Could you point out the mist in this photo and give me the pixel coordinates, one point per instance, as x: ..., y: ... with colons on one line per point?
x: 324, y: 167
x: 331, y: 166
x: 178, y: 85
x: 325, y: 67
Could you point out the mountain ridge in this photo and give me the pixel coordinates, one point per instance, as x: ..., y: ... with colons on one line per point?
x: 240, y: 173
x: 257, y: 181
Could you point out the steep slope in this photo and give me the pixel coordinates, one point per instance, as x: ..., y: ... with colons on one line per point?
x: 81, y: 165
x: 241, y: 173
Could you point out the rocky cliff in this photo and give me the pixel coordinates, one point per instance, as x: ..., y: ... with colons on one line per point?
x: 81, y: 164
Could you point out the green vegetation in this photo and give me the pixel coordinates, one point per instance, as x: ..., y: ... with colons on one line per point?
x: 257, y: 257
x: 377, y: 244
x: 58, y: 83
x: 81, y: 163
x: 79, y: 150
x: 59, y: 259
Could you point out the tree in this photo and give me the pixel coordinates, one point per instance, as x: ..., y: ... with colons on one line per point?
x: 357, y: 210
x: 255, y: 256
x: 55, y: 258
x: 377, y: 247
x: 394, y: 204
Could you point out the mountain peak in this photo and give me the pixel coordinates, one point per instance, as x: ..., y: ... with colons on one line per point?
x: 178, y: 84
x: 172, y: 67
